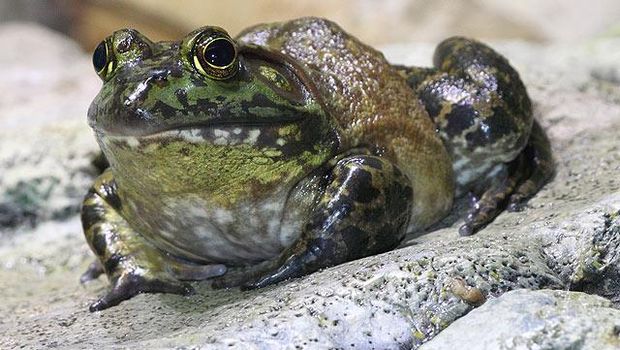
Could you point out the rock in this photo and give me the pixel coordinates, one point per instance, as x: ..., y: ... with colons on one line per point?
x: 45, y: 144
x: 544, y: 319
x: 567, y: 238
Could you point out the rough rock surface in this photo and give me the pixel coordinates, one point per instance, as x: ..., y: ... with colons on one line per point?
x: 567, y: 238
x: 524, y: 319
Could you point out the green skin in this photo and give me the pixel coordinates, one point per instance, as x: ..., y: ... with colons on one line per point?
x: 307, y: 151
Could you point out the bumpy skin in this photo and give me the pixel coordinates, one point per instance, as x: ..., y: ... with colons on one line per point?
x: 306, y: 151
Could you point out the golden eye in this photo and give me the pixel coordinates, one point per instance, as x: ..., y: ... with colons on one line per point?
x: 215, y: 55
x: 102, y: 60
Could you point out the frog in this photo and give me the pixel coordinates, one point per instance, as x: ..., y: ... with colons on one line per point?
x: 291, y: 148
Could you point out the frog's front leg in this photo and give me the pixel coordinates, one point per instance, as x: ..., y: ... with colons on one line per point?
x: 364, y: 210
x: 131, y: 263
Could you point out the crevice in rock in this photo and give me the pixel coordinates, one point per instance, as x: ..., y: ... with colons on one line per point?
x: 601, y: 276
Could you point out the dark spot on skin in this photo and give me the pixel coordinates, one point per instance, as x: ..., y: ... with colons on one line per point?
x: 90, y: 216
x: 356, y: 241
x: 292, y: 148
x: 185, y: 151
x: 461, y: 117
x: 112, y: 262
x: 176, y: 70
x: 110, y: 194
x: 430, y: 101
x: 385, y: 237
x: 181, y: 95
x: 374, y: 214
x: 164, y: 110
x: 361, y: 187
x: 99, y: 243
x: 398, y: 198
x: 501, y: 123
x: 202, y: 107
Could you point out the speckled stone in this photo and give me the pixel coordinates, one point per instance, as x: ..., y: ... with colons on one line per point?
x: 45, y: 145
x: 566, y: 239
x: 524, y: 319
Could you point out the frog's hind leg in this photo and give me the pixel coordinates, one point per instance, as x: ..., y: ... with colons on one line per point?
x: 364, y: 210
x: 537, y: 155
x: 484, y: 116
x: 132, y: 264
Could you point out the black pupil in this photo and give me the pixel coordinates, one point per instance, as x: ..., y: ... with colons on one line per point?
x: 220, y: 53
x: 99, y: 57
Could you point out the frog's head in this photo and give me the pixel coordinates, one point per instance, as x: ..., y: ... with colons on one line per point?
x: 206, y: 115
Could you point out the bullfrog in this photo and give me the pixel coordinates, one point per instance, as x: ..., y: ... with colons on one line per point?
x: 291, y: 148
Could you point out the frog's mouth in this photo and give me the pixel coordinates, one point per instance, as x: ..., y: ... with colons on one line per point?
x: 217, y: 135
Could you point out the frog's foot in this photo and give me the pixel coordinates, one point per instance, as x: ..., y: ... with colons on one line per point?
x: 514, y: 183
x: 491, y: 203
x: 298, y: 261
x: 131, y: 263
x: 131, y: 275
x: 364, y: 210
x: 127, y: 285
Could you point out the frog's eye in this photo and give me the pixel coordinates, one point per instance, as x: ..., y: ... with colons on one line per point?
x: 102, y: 60
x: 214, y: 55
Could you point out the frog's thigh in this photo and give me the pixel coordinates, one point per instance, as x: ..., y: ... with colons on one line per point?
x: 484, y: 116
x: 479, y: 105
x: 132, y: 264
x: 363, y: 211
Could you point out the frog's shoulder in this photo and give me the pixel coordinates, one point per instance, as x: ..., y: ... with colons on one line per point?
x: 275, y: 34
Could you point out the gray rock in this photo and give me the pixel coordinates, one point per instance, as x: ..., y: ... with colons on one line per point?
x: 45, y: 145
x: 545, y: 319
x: 567, y: 237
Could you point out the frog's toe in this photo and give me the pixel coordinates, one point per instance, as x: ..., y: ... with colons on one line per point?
x: 292, y: 268
x: 129, y: 285
x: 94, y: 270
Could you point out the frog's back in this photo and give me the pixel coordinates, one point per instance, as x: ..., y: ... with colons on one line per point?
x: 372, y: 104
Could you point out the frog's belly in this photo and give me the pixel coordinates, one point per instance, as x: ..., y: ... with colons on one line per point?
x: 191, y: 228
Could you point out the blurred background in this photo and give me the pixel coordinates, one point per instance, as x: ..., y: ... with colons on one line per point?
x: 376, y: 22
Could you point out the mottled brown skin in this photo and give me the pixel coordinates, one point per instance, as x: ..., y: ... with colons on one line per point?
x: 299, y: 148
